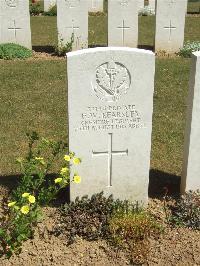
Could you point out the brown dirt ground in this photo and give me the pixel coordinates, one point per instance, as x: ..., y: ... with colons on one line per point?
x: 176, y: 246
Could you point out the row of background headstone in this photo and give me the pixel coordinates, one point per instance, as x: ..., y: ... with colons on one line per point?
x: 72, y: 21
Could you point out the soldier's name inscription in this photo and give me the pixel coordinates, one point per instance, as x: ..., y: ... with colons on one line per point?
x: 109, y: 117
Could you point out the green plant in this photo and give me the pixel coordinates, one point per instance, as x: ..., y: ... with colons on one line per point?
x: 34, y: 190
x: 186, y: 211
x: 17, y: 223
x: 130, y: 229
x: 62, y: 48
x: 51, y: 12
x: 35, y: 9
x: 188, y: 48
x: 42, y: 154
x: 85, y: 217
x: 121, y: 223
x: 10, y: 51
x: 146, y: 11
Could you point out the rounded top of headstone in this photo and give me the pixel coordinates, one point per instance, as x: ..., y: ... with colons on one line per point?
x: 107, y: 49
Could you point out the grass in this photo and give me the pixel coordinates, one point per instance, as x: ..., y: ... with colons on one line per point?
x: 33, y: 95
x: 194, y: 7
x: 44, y: 32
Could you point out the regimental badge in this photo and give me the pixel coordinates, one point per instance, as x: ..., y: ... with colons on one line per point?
x: 112, y: 81
x: 11, y: 3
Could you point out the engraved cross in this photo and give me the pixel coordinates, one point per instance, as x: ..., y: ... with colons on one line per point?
x: 123, y: 28
x: 14, y: 28
x: 109, y: 153
x: 170, y: 28
x: 73, y: 27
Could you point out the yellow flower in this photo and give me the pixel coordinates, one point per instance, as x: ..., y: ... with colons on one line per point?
x: 31, y: 199
x: 25, y: 209
x: 77, y: 179
x: 67, y: 158
x: 64, y: 171
x: 25, y: 195
x: 58, y: 180
x: 76, y: 160
x: 11, y: 204
x: 40, y: 159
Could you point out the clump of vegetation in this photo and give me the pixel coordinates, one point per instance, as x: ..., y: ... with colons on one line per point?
x: 188, y: 48
x: 35, y: 9
x: 51, y: 12
x: 62, y: 48
x: 130, y: 228
x: 85, y: 217
x: 35, y: 189
x: 186, y: 211
x: 122, y: 224
x: 146, y: 11
x: 9, y: 51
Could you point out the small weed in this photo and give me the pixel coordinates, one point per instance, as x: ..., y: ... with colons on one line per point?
x: 189, y: 48
x: 35, y: 9
x: 62, y: 48
x: 51, y: 12
x: 146, y: 11
x: 186, y: 211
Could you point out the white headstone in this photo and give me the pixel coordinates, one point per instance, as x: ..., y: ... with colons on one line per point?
x: 110, y: 120
x: 72, y: 23
x: 191, y: 165
x: 48, y: 4
x: 170, y: 22
x: 15, y: 22
x: 96, y: 6
x: 152, y: 4
x: 122, y: 23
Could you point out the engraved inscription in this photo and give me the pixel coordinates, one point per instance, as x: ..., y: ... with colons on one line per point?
x: 112, y: 81
x: 105, y: 118
x: 11, y: 3
x: 109, y: 153
x: 124, y: 2
x: 72, y: 3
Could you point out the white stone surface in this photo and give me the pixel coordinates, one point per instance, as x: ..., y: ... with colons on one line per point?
x: 48, y: 4
x: 96, y: 6
x: 170, y: 23
x: 140, y: 4
x: 110, y: 120
x: 122, y: 23
x: 191, y: 166
x: 72, y: 20
x: 152, y: 4
x: 15, y: 22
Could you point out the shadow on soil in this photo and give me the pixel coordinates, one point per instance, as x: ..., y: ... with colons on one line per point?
x: 146, y: 47
x: 159, y: 182
x: 44, y: 49
x: 10, y: 182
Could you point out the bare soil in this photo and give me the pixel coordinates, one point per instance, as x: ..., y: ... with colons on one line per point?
x: 176, y: 246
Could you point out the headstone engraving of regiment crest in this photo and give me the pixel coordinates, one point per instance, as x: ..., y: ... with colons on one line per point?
x: 112, y: 81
